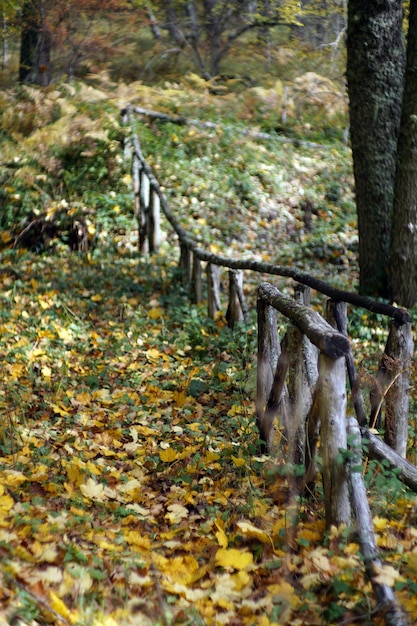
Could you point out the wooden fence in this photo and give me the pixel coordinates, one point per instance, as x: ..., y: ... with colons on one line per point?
x: 301, y: 378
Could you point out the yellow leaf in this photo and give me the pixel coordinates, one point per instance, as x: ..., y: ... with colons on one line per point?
x: 153, y: 354
x: 234, y: 558
x: 221, y: 536
x: 6, y: 236
x: 285, y: 593
x: 236, y: 409
x: 168, y: 455
x: 12, y: 478
x: 61, y: 608
x: 74, y: 473
x: 93, y: 490
x: 386, y: 575
x: 96, y: 298
x: 241, y: 580
x: 103, y: 396
x: 412, y: 562
x: 180, y: 398
x: 6, y: 501
x: 135, y: 538
x: 45, y: 552
x: 211, y: 457
x: 238, y: 461
x: 249, y: 530
x: 380, y: 523
x: 176, y: 512
x: 156, y: 313
x: 184, y: 570
x: 59, y: 410
x: 93, y: 468
x: 63, y: 333
x: 320, y: 560
x: 46, y: 372
x: 144, y: 430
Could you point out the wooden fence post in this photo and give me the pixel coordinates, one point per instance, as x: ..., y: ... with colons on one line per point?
x: 197, y: 282
x: 331, y: 406
x: 136, y: 174
x: 144, y: 193
x: 338, y: 311
x: 394, y: 378
x: 213, y: 290
x: 269, y: 351
x: 234, y: 310
x: 302, y: 379
x: 154, y: 221
x: 392, y: 610
x: 185, y: 264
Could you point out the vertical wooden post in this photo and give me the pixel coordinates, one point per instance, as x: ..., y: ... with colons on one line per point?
x: 144, y: 192
x: 185, y: 264
x: 337, y: 316
x: 331, y: 406
x: 154, y: 221
x: 268, y: 354
x: 237, y: 277
x: 234, y: 310
x: 136, y: 172
x: 213, y: 290
x: 302, y: 378
x: 394, y: 373
x: 197, y: 282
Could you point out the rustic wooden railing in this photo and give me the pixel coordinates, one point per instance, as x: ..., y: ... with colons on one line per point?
x: 301, y: 379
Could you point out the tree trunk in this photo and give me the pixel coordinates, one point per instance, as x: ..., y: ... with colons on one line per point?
x: 35, y: 45
x: 29, y: 39
x: 403, y: 261
x: 375, y: 72
x: 5, y: 44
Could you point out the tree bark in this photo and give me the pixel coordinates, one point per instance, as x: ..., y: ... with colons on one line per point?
x: 403, y: 261
x: 35, y: 45
x: 393, y: 384
x: 375, y: 72
x: 320, y: 333
x: 213, y: 290
x: 331, y: 404
x: 269, y: 350
x: 234, y: 311
x: 389, y: 605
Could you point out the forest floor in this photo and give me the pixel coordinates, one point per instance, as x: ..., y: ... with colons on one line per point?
x: 132, y: 491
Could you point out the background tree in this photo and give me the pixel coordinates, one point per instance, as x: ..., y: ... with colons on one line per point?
x: 8, y: 13
x: 62, y: 29
x: 206, y: 31
x: 403, y: 262
x: 375, y: 75
x: 35, y: 44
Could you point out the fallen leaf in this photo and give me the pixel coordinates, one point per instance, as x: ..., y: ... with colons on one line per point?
x: 93, y: 490
x: 233, y: 558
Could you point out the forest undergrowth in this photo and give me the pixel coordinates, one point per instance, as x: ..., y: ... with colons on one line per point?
x: 131, y: 486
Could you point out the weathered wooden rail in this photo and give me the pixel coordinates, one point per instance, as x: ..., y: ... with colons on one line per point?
x: 301, y: 377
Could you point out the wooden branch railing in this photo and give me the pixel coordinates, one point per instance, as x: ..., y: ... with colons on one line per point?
x: 301, y: 380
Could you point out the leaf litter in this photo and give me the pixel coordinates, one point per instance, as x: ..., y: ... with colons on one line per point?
x: 131, y: 490
x: 130, y: 487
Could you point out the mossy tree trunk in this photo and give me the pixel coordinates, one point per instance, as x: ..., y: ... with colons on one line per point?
x: 403, y: 262
x: 375, y: 73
